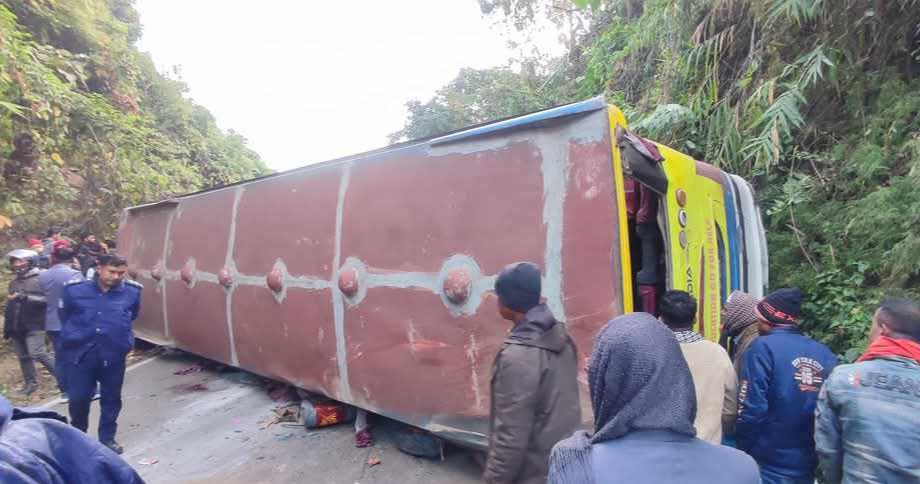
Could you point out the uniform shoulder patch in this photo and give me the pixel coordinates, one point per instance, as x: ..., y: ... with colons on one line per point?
x: 73, y: 282
x: 132, y: 282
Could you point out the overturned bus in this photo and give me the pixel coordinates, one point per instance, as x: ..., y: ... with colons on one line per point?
x: 369, y: 278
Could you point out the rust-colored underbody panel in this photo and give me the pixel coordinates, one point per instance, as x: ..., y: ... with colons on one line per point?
x: 369, y: 279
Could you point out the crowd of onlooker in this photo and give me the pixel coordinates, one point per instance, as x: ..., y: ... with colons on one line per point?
x: 772, y: 406
x: 31, y: 313
x: 78, y: 296
x: 85, y: 252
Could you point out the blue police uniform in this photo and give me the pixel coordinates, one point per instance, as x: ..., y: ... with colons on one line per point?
x: 95, y: 338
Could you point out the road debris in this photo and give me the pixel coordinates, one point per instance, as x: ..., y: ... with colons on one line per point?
x: 289, y: 412
x: 374, y: 460
x: 319, y: 411
x: 196, y: 368
x: 148, y: 461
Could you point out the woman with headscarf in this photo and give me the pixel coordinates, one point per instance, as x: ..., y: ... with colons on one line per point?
x: 738, y: 318
x: 644, y: 406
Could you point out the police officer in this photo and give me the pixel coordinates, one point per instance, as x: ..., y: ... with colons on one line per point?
x: 96, y: 337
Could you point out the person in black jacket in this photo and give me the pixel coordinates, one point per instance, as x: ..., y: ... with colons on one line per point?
x: 88, y: 253
x: 24, y: 318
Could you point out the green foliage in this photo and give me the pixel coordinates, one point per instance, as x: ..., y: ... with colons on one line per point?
x: 473, y: 97
x: 816, y: 101
x: 107, y: 131
x: 665, y: 121
x: 587, y: 3
x: 837, y: 310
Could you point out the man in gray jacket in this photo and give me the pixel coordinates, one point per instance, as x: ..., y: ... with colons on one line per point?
x: 868, y: 413
x: 24, y: 318
x: 534, y: 383
x: 52, y: 283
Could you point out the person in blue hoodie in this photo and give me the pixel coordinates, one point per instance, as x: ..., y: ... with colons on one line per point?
x: 38, y: 447
x: 781, y: 376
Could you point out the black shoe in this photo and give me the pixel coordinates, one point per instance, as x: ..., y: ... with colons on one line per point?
x: 114, y: 447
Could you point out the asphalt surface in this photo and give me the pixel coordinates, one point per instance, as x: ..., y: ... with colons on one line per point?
x: 206, y: 427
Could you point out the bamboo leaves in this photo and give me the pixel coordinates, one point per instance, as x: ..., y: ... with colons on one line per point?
x: 799, y: 11
x: 776, y: 125
x: 13, y: 108
x: 811, y: 66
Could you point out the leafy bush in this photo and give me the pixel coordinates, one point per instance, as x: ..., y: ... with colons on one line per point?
x: 88, y: 126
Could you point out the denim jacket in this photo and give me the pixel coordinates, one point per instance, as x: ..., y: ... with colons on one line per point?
x: 867, y: 424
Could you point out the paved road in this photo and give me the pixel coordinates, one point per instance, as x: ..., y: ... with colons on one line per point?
x: 210, y: 434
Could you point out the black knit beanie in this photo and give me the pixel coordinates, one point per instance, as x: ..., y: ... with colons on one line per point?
x: 782, y: 306
x: 518, y: 286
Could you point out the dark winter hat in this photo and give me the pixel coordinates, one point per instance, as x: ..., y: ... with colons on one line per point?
x: 518, y: 286
x: 782, y: 306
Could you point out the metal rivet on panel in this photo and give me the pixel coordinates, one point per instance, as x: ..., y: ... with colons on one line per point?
x: 275, y: 280
x: 188, y: 273
x: 458, y: 285
x: 348, y: 282
x: 225, y: 277
x: 461, y: 285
